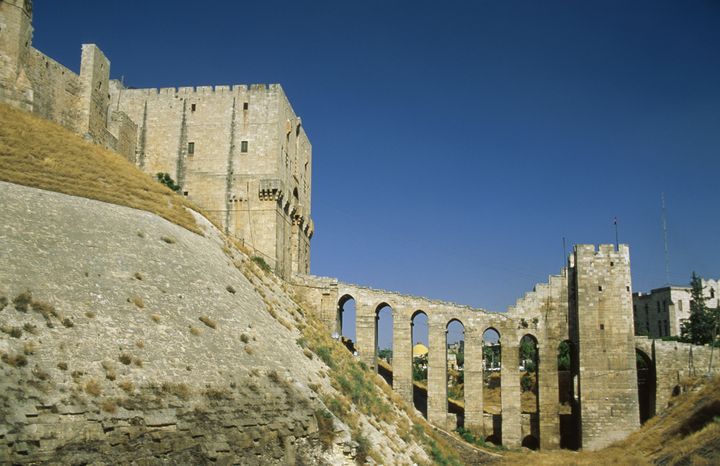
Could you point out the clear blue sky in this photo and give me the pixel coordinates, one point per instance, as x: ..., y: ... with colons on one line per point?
x: 456, y: 143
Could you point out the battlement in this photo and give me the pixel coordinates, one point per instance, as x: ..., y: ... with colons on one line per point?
x: 188, y: 91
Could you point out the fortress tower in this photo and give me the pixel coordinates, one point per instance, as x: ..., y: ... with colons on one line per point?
x: 240, y: 153
x: 601, y: 327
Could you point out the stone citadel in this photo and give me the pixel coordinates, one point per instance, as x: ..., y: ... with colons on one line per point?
x: 242, y: 155
x: 240, y: 152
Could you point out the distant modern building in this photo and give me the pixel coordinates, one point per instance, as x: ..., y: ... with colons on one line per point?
x: 661, y: 312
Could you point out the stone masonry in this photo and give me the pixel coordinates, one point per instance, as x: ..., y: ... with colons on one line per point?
x: 240, y: 153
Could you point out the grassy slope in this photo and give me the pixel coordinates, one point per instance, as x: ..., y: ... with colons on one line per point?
x: 38, y: 153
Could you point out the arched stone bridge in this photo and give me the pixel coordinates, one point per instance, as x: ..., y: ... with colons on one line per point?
x: 588, y: 305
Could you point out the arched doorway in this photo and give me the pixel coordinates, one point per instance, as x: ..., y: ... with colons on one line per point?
x: 455, y: 358
x: 384, y: 341
x: 492, y: 393
x: 345, y: 328
x: 647, y: 385
x: 420, y: 360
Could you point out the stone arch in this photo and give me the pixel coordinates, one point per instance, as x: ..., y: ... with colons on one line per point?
x: 346, y: 320
x: 384, y: 316
x: 569, y: 408
x: 492, y: 389
x: 454, y: 373
x: 531, y: 442
x: 419, y: 337
x: 646, y: 383
x: 528, y: 362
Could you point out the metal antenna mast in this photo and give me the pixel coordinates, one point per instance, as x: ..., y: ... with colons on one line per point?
x: 665, y: 239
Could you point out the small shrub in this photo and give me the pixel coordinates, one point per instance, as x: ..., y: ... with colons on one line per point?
x: 141, y: 234
x: 249, y: 350
x: 272, y: 312
x: 363, y: 448
x: 15, y: 360
x: 302, y: 342
x: 3, y: 302
x: 208, y: 321
x: 29, y: 348
x: 325, y: 354
x: 166, y: 179
x: 23, y: 301
x: 140, y: 344
x: 40, y: 374
x: 62, y: 366
x: 155, y: 318
x: 326, y: 427
x: 90, y: 314
x: 47, y: 310
x: 92, y: 387
x: 15, y: 332
x: 137, y: 301
x: 127, y: 386
x: 286, y: 324
x: 217, y: 394
x: 244, y: 338
x: 195, y: 331
x: 168, y: 239
x: 179, y: 390
x: 109, y: 406
x: 274, y: 376
x: 30, y: 328
x: 67, y: 322
x: 125, y: 359
x: 308, y: 354
x: 261, y: 263
x: 138, y: 276
x: 138, y: 362
x: 230, y: 289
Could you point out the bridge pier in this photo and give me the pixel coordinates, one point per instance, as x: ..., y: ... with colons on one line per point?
x: 402, y: 355
x: 510, y: 386
x: 365, y: 332
x: 548, y: 389
x: 437, y: 374
x: 474, y: 380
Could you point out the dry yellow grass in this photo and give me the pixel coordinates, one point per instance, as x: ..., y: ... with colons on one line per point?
x: 38, y: 153
x: 687, y: 433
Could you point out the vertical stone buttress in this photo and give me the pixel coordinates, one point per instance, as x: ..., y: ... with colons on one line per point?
x: 437, y: 373
x: 402, y: 354
x: 94, y: 94
x: 15, y: 42
x: 143, y: 137
x: 601, y: 308
x: 474, y: 380
x: 229, y: 176
x: 182, y: 148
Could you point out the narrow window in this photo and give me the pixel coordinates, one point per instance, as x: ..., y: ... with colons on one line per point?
x: 191, y: 148
x: 243, y: 146
x: 600, y: 288
x: 245, y: 105
x: 192, y: 107
x: 680, y: 305
x: 602, y: 326
x: 712, y: 293
x: 185, y: 193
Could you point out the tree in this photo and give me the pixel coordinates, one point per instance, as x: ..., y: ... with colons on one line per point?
x: 699, y: 329
x: 564, y: 356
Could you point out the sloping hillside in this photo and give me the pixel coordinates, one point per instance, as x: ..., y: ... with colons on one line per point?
x: 127, y: 338
x: 39, y: 153
x: 688, y: 433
